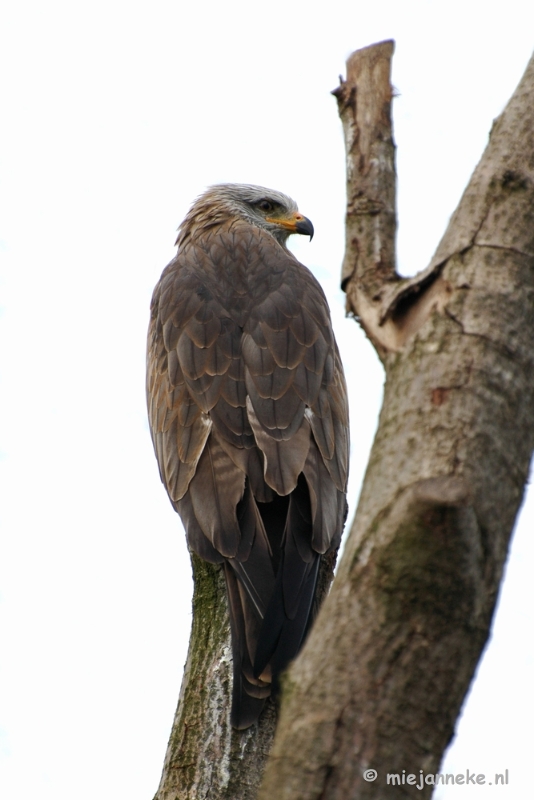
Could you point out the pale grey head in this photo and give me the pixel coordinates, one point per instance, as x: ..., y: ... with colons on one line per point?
x: 265, y: 208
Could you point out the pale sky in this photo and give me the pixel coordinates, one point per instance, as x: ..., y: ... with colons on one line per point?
x: 115, y: 116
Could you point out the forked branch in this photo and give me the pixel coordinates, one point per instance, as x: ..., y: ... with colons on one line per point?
x: 381, y: 680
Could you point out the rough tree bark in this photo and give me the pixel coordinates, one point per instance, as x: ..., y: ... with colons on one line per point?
x: 382, y: 677
x: 384, y: 672
x: 206, y: 757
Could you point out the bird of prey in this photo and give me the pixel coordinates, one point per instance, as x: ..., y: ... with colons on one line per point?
x: 248, y: 413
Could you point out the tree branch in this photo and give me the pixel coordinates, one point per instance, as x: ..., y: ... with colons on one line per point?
x: 387, y: 665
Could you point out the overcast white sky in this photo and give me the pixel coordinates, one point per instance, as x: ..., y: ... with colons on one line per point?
x: 115, y: 115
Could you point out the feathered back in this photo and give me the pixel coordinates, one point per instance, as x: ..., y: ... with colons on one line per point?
x: 249, y: 419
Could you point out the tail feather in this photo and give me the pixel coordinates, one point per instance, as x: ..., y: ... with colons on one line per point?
x: 249, y: 693
x: 271, y: 590
x: 288, y: 614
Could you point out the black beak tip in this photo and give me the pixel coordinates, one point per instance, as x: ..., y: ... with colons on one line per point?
x: 305, y: 227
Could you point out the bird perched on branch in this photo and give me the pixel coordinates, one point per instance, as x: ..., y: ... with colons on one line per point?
x: 248, y: 413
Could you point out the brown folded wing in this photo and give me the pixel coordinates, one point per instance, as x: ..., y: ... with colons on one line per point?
x: 248, y: 414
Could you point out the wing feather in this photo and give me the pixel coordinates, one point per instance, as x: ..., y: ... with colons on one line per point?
x: 323, y: 501
x: 215, y: 490
x: 306, y: 384
x: 248, y: 414
x: 283, y: 344
x: 304, y: 329
x: 196, y: 539
x: 284, y: 460
x: 204, y: 328
x: 322, y: 423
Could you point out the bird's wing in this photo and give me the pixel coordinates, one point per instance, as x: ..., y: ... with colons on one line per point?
x: 246, y: 396
x: 297, y: 407
x: 195, y: 382
x: 295, y: 381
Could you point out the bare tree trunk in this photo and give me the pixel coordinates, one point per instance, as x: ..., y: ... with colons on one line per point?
x: 206, y: 757
x: 384, y: 672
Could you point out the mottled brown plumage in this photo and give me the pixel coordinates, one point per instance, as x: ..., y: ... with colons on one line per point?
x: 248, y: 413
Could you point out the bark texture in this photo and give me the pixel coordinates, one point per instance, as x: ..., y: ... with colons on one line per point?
x: 381, y: 680
x: 206, y: 758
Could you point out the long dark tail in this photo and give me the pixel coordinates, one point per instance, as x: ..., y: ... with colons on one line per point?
x: 270, y: 597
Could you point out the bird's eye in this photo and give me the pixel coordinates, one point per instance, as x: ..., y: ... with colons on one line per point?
x: 265, y: 205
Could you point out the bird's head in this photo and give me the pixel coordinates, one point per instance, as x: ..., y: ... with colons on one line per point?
x: 265, y: 208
